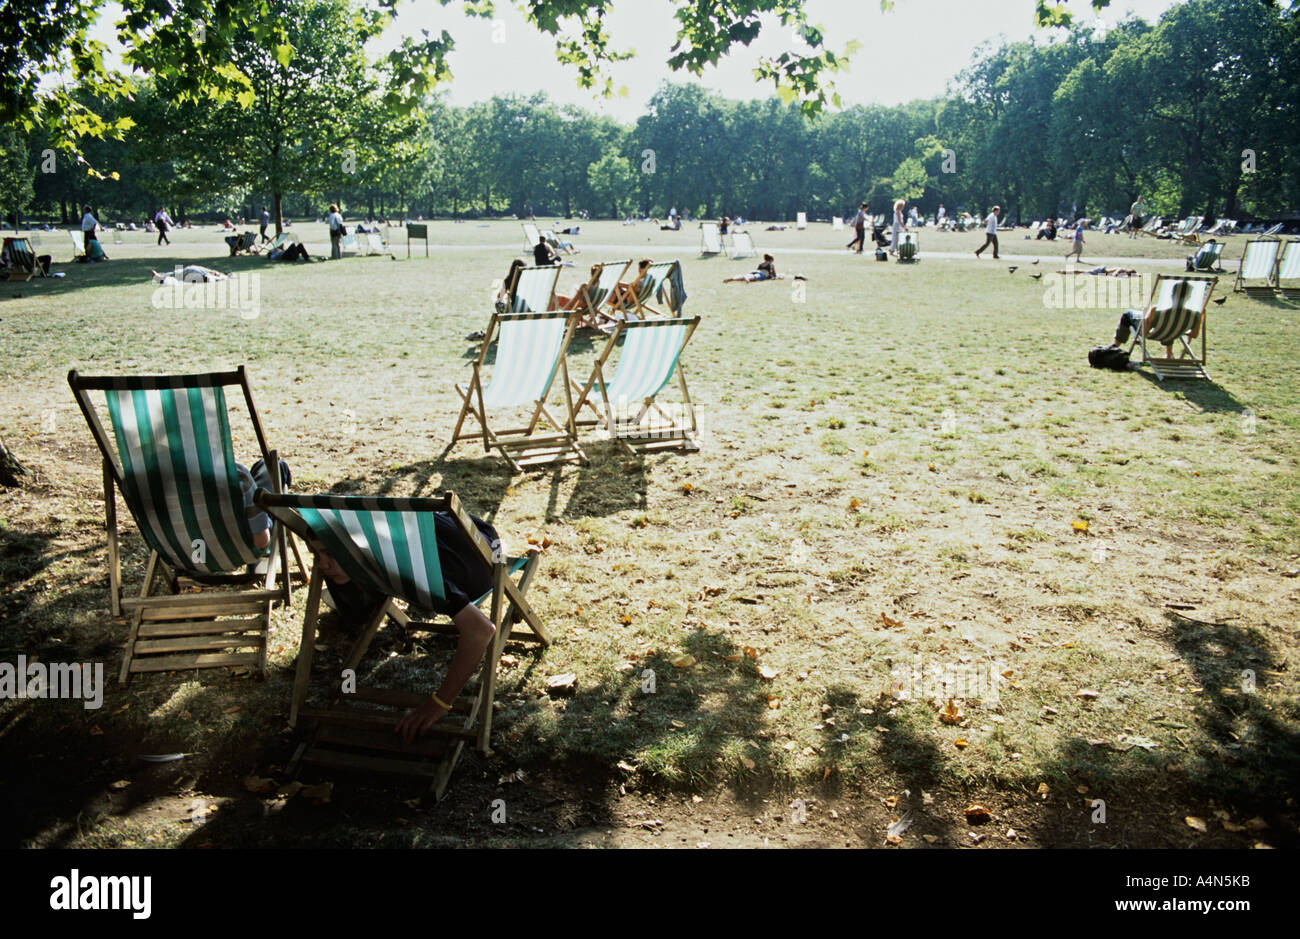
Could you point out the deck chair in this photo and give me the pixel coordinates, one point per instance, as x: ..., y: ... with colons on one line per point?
x: 742, y: 246
x: 78, y: 243
x: 710, y: 240
x: 837, y: 223
x: 1258, y: 263
x: 1275, y: 230
x: 632, y: 415
x: 533, y: 290
x: 1206, y: 259
x: 375, y: 243
x: 531, y: 235
x: 1180, y: 302
x: 909, y: 247
x: 662, y: 283
x: 390, y: 546
x: 553, y: 240
x: 1152, y: 226
x: 1191, y: 236
x: 282, y: 240
x: 20, y: 259
x: 531, y: 350
x: 596, y: 292
x: 348, y: 244
x: 801, y: 221
x: 1288, y: 271
x: 170, y: 456
x: 241, y: 243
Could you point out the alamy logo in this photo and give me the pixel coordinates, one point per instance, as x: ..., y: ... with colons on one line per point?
x: 75, y: 892
x: 66, y: 680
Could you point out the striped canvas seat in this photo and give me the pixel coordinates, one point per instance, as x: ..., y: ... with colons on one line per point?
x: 1180, y: 303
x: 534, y: 289
x: 908, y: 246
x: 1288, y: 271
x: 598, y: 290
x: 171, y: 457
x: 1259, y: 267
x: 651, y: 355
x: 349, y: 243
x: 742, y: 246
x: 530, y: 353
x: 531, y: 235
x: 391, y: 547
x: 710, y: 240
x: 20, y: 258
x: 1207, y: 259
x: 661, y: 282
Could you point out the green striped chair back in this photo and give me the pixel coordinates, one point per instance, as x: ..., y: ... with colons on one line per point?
x: 21, y: 255
x: 1258, y: 260
x: 1179, y: 302
x: 1289, y: 267
x: 606, y: 281
x: 651, y: 349
x: 1208, y: 257
x: 529, y: 346
x: 535, y: 288
x: 178, y: 474
x: 907, y: 246
x: 657, y: 275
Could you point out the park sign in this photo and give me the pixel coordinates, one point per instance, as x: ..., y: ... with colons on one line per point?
x: 417, y: 231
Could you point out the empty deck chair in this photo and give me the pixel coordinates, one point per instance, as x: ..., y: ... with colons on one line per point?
x: 801, y: 221
x: 375, y: 243
x: 650, y: 357
x: 1288, y: 271
x: 171, y: 458
x: 390, y: 546
x: 348, y: 244
x: 531, y: 235
x: 530, y: 353
x: 1259, y: 267
x: 742, y: 246
x: 710, y: 240
x: 1180, y: 312
x: 837, y: 223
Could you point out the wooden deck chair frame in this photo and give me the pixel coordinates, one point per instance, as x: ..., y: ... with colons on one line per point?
x: 1213, y: 264
x: 650, y: 287
x: 523, y: 446
x: 1189, y: 365
x: 531, y: 234
x: 1269, y: 276
x: 1288, y: 269
x: 598, y: 291
x: 181, y: 631
x: 711, y: 246
x: 21, y: 255
x: 347, y: 737
x: 640, y: 433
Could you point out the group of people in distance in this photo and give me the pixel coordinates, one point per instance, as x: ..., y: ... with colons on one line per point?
x: 862, y: 218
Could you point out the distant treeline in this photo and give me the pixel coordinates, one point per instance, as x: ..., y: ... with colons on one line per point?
x: 1197, y: 114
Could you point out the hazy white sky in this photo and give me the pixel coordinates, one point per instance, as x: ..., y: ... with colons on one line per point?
x: 911, y: 52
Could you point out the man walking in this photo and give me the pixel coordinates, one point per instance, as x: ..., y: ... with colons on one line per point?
x: 265, y: 220
x: 991, y: 232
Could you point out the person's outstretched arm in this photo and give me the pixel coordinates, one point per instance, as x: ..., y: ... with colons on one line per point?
x: 475, y: 632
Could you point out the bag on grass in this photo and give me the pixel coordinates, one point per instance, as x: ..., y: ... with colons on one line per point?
x: 1111, y: 357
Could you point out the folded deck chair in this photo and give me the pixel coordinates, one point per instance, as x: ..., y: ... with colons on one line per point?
x: 1180, y: 303
x: 742, y: 246
x: 1206, y: 259
x: 530, y: 351
x: 531, y: 235
x: 1288, y: 271
x: 170, y: 456
x: 651, y: 354
x: 710, y: 240
x: 20, y: 259
x: 1258, y: 263
x: 390, y: 546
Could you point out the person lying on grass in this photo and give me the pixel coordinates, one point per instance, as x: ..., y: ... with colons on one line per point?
x: 766, y: 271
x: 464, y: 577
x: 1103, y: 271
x: 190, y: 274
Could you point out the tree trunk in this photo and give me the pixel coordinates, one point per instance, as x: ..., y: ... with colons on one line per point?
x: 276, y: 196
x: 10, y: 468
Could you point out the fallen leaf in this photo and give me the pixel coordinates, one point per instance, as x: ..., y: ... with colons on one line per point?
x: 748, y: 763
x: 685, y: 660
x: 853, y: 504
x: 1043, y: 790
x: 768, y: 672
x: 120, y: 784
x: 1194, y: 822
x: 1232, y: 826
x: 891, y: 623
x: 562, y: 683
x: 1087, y: 694
x: 961, y: 743
x: 951, y: 714
x: 626, y: 767
x: 1079, y: 524
x: 1256, y: 824
x: 929, y: 839
x: 976, y: 814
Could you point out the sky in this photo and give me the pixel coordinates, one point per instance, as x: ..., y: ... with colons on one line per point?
x: 912, y: 52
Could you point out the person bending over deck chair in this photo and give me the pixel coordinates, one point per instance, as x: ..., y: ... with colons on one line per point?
x: 1132, y: 322
x: 462, y: 581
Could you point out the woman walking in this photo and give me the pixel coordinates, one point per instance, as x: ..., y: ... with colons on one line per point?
x: 898, y: 228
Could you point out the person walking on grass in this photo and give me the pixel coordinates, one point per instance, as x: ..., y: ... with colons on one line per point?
x: 162, y: 221
x: 898, y: 227
x: 1076, y: 247
x: 265, y: 222
x: 859, y: 230
x: 991, y: 232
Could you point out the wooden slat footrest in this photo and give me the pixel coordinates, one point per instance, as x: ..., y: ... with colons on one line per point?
x: 193, y: 643
x: 154, y: 630
x: 168, y: 663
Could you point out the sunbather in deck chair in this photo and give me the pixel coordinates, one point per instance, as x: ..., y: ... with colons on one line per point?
x: 1175, y: 314
x: 1288, y: 271
x: 555, y: 242
x: 1258, y: 263
x: 432, y: 557
x: 20, y: 260
x: 589, y: 300
x: 171, y: 458
x: 1152, y: 227
x: 660, y: 282
x: 710, y: 240
x: 530, y: 351
x: 632, y: 415
x: 1207, y: 257
x: 1190, y: 235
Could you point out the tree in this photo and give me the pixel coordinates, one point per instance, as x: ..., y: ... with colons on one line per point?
x: 15, y: 176
x: 612, y: 181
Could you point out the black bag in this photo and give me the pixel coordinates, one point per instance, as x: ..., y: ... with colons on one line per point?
x: 880, y: 255
x: 343, y: 230
x: 1111, y: 357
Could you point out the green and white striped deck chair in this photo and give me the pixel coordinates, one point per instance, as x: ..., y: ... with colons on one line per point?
x: 1180, y: 313
x: 1288, y: 271
x: 596, y: 292
x: 742, y: 246
x: 554, y: 241
x: 20, y: 259
x: 1152, y: 226
x: 348, y: 244
x: 171, y: 458
x: 1258, y: 263
x: 390, y: 546
x: 710, y: 240
x: 909, y: 247
x: 534, y: 289
x: 531, y: 235
x: 1191, y: 230
x: 651, y: 355
x: 1206, y: 259
x: 375, y: 243
x: 662, y: 283
x: 530, y: 353
x: 282, y: 240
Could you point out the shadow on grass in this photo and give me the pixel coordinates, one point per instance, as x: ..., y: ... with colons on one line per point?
x: 1208, y: 396
x: 132, y: 272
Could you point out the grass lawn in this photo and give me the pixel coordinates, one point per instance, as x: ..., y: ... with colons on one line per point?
x: 875, y: 559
